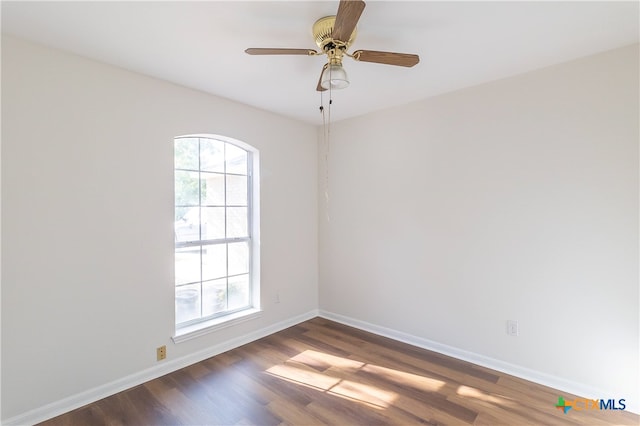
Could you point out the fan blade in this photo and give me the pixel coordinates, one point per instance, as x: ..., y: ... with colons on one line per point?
x: 278, y: 51
x: 320, y: 88
x: 389, y: 58
x: 349, y: 12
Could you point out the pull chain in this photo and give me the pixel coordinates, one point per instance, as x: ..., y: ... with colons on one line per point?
x: 326, y: 139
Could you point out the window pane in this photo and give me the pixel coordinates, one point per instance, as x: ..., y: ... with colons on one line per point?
x: 211, y: 203
x: 180, y: 213
x: 187, y: 265
x: 236, y: 160
x: 239, y: 292
x: 186, y: 153
x: 212, y: 223
x: 187, y: 303
x: 214, y: 261
x: 186, y: 188
x: 238, y: 258
x: 236, y: 190
x: 212, y: 185
x: 212, y: 155
x: 236, y: 222
x: 187, y: 227
x: 214, y: 295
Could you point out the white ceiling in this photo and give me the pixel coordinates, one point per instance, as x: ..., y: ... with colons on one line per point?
x: 201, y: 44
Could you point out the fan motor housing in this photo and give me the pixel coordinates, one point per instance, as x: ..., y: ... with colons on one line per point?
x: 323, y: 34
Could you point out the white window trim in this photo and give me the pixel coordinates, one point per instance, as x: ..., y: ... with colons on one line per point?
x: 205, y: 327
x: 198, y: 329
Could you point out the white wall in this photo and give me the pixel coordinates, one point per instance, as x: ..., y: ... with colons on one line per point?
x: 511, y: 200
x: 516, y: 199
x: 87, y: 211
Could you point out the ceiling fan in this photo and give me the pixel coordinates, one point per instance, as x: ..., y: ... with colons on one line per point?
x: 334, y: 35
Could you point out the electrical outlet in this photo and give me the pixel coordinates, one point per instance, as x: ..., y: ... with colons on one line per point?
x: 161, y: 353
x: 512, y: 328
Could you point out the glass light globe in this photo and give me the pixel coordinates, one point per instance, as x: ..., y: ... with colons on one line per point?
x: 334, y: 77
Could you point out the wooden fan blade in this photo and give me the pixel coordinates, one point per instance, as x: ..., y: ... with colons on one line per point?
x: 389, y: 58
x: 349, y: 12
x: 320, y: 88
x: 278, y: 51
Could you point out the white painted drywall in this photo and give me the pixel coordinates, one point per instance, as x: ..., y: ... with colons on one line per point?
x: 516, y: 199
x: 511, y: 200
x: 87, y: 211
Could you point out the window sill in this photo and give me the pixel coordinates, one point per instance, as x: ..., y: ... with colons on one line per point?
x: 200, y: 329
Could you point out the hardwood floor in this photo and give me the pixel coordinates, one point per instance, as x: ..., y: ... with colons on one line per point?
x: 322, y: 372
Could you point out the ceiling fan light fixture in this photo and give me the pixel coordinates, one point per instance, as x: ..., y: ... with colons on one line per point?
x: 334, y: 35
x: 334, y: 77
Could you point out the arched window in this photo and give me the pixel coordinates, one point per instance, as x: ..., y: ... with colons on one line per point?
x: 215, y: 229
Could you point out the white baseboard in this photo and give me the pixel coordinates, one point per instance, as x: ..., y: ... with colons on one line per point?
x: 544, y: 379
x: 83, y: 398
x: 76, y: 401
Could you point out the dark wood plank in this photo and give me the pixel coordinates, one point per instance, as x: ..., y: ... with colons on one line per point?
x: 322, y: 372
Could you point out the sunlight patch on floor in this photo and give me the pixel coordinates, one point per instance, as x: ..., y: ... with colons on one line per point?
x: 296, y: 374
x: 332, y: 360
x: 366, y: 393
x: 299, y: 369
x: 405, y: 379
x: 372, y: 396
x: 469, y: 392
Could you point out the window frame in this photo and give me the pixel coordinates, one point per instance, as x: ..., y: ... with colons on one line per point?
x: 201, y: 325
